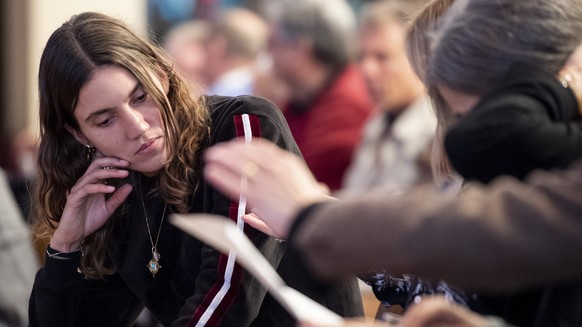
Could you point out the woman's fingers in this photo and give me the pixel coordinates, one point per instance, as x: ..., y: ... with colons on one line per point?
x: 79, y: 193
x: 348, y: 323
x: 108, y: 162
x: 275, y: 181
x: 438, y: 311
x: 118, y: 197
x: 257, y: 223
x: 91, y: 202
x: 102, y: 169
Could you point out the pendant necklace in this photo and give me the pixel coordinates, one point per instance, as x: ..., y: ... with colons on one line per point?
x: 154, y: 264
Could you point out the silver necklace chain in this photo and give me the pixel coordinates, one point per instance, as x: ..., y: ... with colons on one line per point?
x: 154, y: 264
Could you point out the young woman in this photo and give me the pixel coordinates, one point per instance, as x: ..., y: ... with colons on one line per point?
x: 121, y: 145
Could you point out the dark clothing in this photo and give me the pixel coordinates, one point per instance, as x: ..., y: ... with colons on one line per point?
x: 195, y: 283
x: 524, y: 124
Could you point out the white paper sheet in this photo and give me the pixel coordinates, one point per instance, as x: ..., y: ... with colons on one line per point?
x: 222, y: 234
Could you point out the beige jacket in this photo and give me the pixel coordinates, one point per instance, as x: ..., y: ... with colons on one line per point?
x: 391, y: 157
x: 506, y: 236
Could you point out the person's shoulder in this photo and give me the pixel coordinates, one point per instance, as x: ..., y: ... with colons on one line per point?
x: 348, y: 91
x: 242, y: 102
x: 265, y: 120
x: 227, y: 106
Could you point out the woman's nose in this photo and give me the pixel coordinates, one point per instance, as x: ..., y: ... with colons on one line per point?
x: 136, y: 124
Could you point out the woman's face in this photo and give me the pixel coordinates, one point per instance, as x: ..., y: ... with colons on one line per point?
x: 460, y: 103
x: 120, y: 119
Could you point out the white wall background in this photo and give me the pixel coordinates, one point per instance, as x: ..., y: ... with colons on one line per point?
x: 27, y: 26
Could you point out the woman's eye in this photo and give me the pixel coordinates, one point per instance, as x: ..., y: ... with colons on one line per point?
x: 104, y: 122
x: 141, y: 98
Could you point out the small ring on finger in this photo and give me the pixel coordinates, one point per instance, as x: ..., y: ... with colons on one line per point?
x: 250, y: 169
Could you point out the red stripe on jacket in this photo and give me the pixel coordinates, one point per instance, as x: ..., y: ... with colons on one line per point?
x: 237, y: 273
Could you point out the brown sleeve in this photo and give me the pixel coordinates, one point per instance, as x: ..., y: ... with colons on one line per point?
x: 501, y: 237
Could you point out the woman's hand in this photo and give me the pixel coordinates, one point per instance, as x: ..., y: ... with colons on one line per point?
x: 350, y: 323
x: 430, y: 312
x: 571, y: 75
x: 87, y: 207
x: 258, y: 224
x: 276, y: 183
x: 438, y: 311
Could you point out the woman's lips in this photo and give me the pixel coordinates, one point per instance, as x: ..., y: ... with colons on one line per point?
x: 147, y: 147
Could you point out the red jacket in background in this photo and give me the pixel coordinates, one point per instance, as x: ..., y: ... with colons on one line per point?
x: 328, y: 130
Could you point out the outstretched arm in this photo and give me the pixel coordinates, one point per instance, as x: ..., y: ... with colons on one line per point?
x: 421, y: 232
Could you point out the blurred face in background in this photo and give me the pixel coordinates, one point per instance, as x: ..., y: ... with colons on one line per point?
x: 286, y: 55
x: 185, y: 43
x: 191, y: 59
x: 383, y: 60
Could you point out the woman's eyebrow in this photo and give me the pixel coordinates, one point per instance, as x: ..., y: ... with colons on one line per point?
x: 104, y: 110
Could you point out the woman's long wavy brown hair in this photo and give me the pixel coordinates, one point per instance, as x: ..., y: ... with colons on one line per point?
x: 72, y: 53
x: 418, y: 46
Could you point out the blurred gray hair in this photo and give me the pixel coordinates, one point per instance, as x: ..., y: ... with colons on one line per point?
x: 329, y: 24
x: 375, y: 13
x: 479, y: 41
x: 244, y: 31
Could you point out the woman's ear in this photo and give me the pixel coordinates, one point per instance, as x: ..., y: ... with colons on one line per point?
x: 571, y: 75
x: 78, y: 135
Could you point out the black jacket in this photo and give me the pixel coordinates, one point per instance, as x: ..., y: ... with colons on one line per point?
x: 526, y: 123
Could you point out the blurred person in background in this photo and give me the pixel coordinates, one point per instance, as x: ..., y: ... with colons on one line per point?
x: 18, y: 260
x: 236, y: 43
x: 313, y: 47
x: 393, y: 152
x: 185, y: 43
x: 19, y: 166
